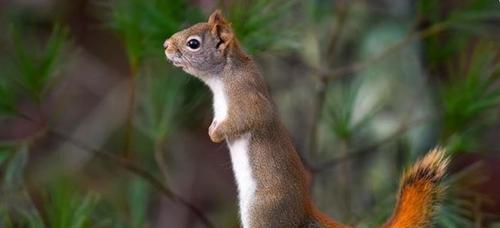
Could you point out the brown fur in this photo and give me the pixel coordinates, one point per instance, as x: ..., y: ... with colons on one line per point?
x: 282, y: 194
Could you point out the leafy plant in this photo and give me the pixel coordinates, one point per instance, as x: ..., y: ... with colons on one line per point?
x: 138, y: 195
x: 35, y: 66
x: 16, y: 208
x: 161, y: 100
x: 472, y: 92
x: 341, y: 111
x: 144, y: 25
x: 7, y: 97
x: 259, y: 24
x: 65, y: 207
x: 469, y: 19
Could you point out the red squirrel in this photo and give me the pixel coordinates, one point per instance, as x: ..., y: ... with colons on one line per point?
x: 272, y: 182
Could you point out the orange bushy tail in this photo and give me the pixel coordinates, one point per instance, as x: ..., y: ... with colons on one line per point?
x: 420, y: 192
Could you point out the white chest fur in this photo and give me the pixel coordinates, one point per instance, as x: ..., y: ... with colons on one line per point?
x: 219, y: 100
x: 243, y: 174
x: 239, y: 154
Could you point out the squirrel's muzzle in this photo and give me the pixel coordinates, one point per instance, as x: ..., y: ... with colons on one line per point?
x: 165, y: 44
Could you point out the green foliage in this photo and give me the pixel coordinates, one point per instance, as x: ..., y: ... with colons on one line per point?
x: 162, y: 99
x: 144, y: 25
x: 259, y: 24
x: 35, y: 67
x: 480, y: 18
x: 472, y: 91
x: 319, y: 9
x: 65, y: 207
x: 14, y: 171
x: 7, y: 97
x: 16, y: 208
x: 451, y: 213
x: 341, y: 111
x: 166, y: 95
x: 474, y: 18
x: 138, y: 196
x: 4, y: 155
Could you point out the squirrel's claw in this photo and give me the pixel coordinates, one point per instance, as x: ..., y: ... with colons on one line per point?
x: 215, y: 136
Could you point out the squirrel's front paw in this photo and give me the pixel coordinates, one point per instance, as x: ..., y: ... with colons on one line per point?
x: 214, y: 134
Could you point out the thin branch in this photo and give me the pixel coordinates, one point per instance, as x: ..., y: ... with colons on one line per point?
x: 160, y: 159
x: 357, y: 154
x: 326, y: 75
x: 414, y: 36
x: 132, y: 167
x: 342, y: 12
x: 129, y: 126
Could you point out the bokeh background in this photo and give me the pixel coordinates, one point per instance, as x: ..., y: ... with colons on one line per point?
x: 98, y: 130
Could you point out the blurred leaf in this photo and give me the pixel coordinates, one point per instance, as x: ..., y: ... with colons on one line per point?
x: 473, y: 90
x: 162, y: 103
x: 341, y: 111
x: 5, y: 153
x: 259, y: 24
x: 481, y: 17
x: 67, y: 208
x: 430, y: 9
x: 320, y: 9
x: 144, y: 25
x: 138, y: 200
x: 7, y: 97
x: 31, y: 219
x: 17, y: 207
x: 5, y: 220
x: 37, y: 67
x: 469, y: 19
x: 457, y: 208
x: 15, y: 169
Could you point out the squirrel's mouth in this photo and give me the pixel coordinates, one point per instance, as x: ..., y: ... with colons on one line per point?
x: 175, y: 61
x: 179, y: 64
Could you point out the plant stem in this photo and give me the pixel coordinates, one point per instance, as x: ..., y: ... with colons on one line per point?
x: 345, y: 180
x: 160, y: 159
x: 135, y: 169
x: 370, y: 148
x: 408, y: 39
x: 317, y: 113
x: 129, y: 125
x: 132, y: 167
x: 342, y: 10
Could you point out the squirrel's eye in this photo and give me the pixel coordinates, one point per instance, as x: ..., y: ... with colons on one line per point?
x: 194, y: 43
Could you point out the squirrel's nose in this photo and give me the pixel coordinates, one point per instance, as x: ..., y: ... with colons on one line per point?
x: 165, y: 44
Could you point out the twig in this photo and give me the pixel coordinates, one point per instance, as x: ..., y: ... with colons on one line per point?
x: 160, y: 159
x: 356, y: 154
x: 476, y: 210
x: 408, y: 39
x: 132, y: 167
x: 139, y: 171
x: 129, y: 125
x: 325, y: 76
x: 321, y: 92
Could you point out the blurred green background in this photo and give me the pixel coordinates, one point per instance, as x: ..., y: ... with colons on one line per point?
x: 98, y: 130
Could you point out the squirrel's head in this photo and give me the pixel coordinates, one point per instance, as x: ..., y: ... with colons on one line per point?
x: 202, y: 49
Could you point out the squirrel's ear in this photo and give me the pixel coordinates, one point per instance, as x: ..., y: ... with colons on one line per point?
x: 220, y: 28
x: 216, y: 17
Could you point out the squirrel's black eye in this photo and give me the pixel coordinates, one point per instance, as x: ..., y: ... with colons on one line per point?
x: 193, y: 43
